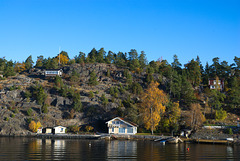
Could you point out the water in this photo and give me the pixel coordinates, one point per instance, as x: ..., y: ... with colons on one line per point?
x: 47, y: 149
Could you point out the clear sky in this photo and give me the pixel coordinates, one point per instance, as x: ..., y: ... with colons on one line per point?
x: 161, y: 28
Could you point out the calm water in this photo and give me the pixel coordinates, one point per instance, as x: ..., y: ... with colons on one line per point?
x: 47, y: 149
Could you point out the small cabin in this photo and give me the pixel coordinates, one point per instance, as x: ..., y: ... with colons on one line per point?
x: 39, y: 130
x: 121, y: 126
x: 53, y: 72
x: 59, y: 130
x: 213, y: 84
x: 47, y: 130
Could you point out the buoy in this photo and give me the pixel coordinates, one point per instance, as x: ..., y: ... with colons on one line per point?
x: 188, y: 149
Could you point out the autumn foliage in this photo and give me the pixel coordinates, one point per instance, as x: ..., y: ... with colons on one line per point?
x: 63, y: 59
x: 152, y: 106
x: 19, y: 67
x: 33, y: 126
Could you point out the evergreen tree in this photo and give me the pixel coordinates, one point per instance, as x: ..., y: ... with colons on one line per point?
x: 233, y: 95
x: 110, y: 57
x: 193, y: 72
x: 80, y: 58
x: 9, y: 70
x: 133, y: 60
x: 121, y: 59
x: 39, y: 62
x: 93, y: 79
x: 77, y: 104
x: 91, y: 58
x: 176, y: 65
x: 142, y: 59
x: 29, y: 62
x: 101, y: 54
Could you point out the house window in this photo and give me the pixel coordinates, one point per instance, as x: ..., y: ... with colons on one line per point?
x: 122, y: 130
x: 113, y: 122
x: 214, y: 82
x: 61, y: 130
x: 112, y: 130
x: 212, y: 87
x: 130, y: 130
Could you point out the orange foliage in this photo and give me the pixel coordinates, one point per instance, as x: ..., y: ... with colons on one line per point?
x: 34, y: 126
x: 63, y: 59
x: 19, y: 67
x: 153, y: 105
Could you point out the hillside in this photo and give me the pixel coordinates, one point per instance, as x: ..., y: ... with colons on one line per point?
x: 14, y: 104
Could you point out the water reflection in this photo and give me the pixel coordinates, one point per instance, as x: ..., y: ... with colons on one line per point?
x: 48, y: 149
x: 122, y: 150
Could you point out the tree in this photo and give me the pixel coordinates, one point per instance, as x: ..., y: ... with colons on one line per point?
x: 104, y: 100
x: 39, y: 62
x: 193, y: 72
x: 63, y: 58
x: 171, y: 117
x: 100, y: 55
x: 133, y: 60
x: 195, y: 118
x: 81, y: 58
x: 220, y: 114
x: 152, y: 106
x: 142, y: 59
x: 39, y: 94
x: 33, y: 126
x: 77, y: 104
x: 176, y: 65
x: 9, y: 70
x: 93, y: 79
x: 233, y: 94
x: 19, y: 67
x: 91, y: 58
x: 29, y: 62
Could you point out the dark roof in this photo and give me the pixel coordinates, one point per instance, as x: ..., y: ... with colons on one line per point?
x: 53, y: 69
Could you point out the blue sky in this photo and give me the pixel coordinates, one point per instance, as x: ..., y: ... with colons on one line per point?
x: 161, y: 28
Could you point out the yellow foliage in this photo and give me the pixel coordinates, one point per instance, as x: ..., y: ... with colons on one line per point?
x: 33, y: 126
x: 19, y: 67
x: 63, y: 59
x: 153, y: 105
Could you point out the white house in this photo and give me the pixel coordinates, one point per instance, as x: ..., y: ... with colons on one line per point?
x: 120, y: 126
x: 53, y: 72
x: 59, y: 130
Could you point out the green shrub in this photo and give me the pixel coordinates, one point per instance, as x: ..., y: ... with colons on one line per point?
x: 91, y: 94
x: 16, y: 111
x: 6, y: 118
x: 29, y: 112
x: 44, y: 109
x: 220, y: 114
x: 229, y: 131
x: 12, y: 115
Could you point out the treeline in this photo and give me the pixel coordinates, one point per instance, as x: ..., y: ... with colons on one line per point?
x: 185, y: 84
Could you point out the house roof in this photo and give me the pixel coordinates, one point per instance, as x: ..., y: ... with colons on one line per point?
x: 59, y: 127
x: 123, y: 120
x: 53, y: 69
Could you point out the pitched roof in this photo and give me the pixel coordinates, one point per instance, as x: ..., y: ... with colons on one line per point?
x: 124, y: 120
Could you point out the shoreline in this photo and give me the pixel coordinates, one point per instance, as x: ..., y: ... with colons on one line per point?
x: 123, y: 137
